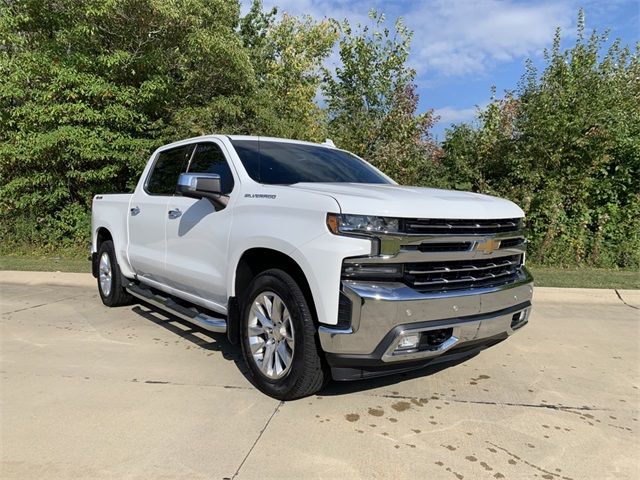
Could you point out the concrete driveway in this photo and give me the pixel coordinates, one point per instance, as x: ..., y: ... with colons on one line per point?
x: 92, y: 392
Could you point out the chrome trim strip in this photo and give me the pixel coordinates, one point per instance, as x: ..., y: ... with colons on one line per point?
x: 334, y: 331
x: 396, y: 291
x: 466, y: 269
x: 391, y: 244
x: 416, y: 256
x: 468, y: 278
x: 468, y: 226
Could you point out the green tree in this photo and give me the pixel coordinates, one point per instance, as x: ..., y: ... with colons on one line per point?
x: 372, y: 102
x: 88, y: 88
x: 565, y: 146
x: 287, y: 56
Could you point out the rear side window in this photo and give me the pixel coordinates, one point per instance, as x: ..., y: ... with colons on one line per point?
x: 168, y: 167
x: 208, y: 158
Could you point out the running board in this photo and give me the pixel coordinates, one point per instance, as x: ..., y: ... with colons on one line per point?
x: 213, y: 324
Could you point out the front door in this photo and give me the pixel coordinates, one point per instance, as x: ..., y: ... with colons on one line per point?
x: 148, y: 214
x: 198, y: 232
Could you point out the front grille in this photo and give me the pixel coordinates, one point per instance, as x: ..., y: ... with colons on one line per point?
x: 462, y: 274
x: 431, y: 226
x: 441, y: 247
x: 513, y: 242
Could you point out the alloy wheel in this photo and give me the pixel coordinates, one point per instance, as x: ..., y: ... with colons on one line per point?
x: 271, y: 335
x: 105, y: 274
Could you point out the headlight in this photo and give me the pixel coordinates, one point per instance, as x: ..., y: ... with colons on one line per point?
x: 371, y: 270
x: 341, y: 224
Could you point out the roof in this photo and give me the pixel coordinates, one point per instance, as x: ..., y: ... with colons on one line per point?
x: 274, y: 139
x: 243, y: 137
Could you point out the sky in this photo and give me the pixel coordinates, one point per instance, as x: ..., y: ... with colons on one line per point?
x: 461, y: 48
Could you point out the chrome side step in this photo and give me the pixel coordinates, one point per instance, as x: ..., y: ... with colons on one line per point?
x: 213, y: 324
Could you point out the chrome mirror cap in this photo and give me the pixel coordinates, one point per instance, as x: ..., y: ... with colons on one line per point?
x: 199, y: 185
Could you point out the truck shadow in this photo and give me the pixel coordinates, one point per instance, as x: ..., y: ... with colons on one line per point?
x: 215, y: 342
x: 218, y: 342
x: 354, y: 386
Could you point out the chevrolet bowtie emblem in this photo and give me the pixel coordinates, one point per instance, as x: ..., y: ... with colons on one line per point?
x: 488, y: 246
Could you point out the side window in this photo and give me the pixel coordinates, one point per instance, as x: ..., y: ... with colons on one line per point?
x: 208, y: 158
x: 168, y: 167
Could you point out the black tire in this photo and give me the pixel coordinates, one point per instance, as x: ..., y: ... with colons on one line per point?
x: 117, y: 296
x: 307, y: 374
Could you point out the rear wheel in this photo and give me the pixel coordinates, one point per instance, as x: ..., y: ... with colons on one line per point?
x: 110, y: 286
x: 279, y: 338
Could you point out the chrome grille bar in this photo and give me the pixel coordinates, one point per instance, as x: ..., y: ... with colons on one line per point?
x: 466, y: 268
x: 447, y: 226
x: 450, y: 227
x: 467, y: 279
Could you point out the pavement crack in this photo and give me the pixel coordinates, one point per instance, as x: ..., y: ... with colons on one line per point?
x: 623, y: 301
x: 498, y: 404
x: 547, y: 473
x: 41, y: 305
x: 401, y: 397
x: 181, y: 384
x: 257, y: 439
x: 134, y: 380
x: 529, y: 405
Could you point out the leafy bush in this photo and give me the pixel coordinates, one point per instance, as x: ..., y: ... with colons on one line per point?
x: 566, y: 147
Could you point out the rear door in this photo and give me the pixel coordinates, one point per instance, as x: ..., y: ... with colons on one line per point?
x: 198, y: 231
x: 148, y: 214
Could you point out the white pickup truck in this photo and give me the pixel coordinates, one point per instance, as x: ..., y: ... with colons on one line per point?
x: 316, y: 263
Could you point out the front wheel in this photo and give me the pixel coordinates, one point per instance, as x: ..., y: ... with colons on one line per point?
x: 279, y: 338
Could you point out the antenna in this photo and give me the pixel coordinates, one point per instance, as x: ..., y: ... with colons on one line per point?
x: 329, y: 143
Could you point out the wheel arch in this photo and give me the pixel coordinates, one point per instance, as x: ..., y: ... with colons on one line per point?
x: 102, y: 235
x: 252, y: 262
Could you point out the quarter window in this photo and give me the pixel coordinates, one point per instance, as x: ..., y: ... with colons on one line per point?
x: 208, y: 158
x: 168, y: 167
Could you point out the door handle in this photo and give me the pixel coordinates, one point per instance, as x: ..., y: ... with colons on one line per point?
x: 134, y: 211
x: 175, y: 213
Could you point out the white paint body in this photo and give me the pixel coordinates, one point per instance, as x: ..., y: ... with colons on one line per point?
x: 195, y: 256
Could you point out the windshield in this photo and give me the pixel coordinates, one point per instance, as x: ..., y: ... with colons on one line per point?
x: 287, y: 163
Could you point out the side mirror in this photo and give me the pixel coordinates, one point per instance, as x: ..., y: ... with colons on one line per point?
x: 200, y: 185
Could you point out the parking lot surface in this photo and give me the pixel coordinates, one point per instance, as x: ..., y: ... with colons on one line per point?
x: 92, y: 392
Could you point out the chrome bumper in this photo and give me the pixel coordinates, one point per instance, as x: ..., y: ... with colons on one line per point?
x: 383, y: 313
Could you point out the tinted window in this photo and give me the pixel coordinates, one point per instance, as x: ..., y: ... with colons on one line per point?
x: 168, y: 167
x: 209, y: 158
x: 287, y: 163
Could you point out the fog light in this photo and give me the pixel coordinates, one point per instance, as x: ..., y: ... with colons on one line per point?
x: 518, y: 320
x: 409, y: 342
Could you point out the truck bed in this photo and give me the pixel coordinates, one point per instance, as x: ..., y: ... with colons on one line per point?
x: 111, y: 211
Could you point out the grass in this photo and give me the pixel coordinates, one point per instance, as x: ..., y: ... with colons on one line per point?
x: 584, y: 277
x: 45, y: 263
x: 544, y: 276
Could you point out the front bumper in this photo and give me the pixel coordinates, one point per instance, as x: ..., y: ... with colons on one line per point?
x: 382, y: 314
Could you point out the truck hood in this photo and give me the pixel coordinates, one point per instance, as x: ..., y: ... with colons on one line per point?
x: 413, y: 202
